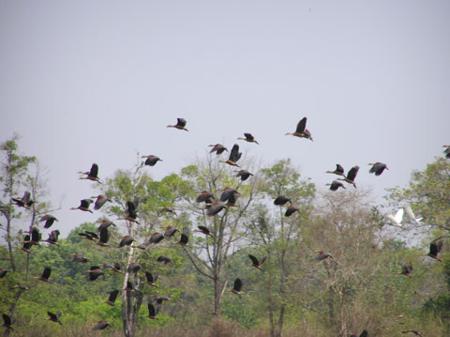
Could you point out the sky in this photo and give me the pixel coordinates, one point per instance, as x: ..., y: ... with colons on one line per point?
x: 98, y: 81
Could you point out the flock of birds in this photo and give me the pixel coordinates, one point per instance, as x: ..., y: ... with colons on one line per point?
x: 213, y: 206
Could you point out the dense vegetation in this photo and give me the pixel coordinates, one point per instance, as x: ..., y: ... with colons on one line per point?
x: 294, y: 293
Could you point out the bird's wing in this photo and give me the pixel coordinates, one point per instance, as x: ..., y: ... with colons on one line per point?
x: 234, y: 154
x: 94, y: 170
x: 301, y: 125
x: 351, y: 175
x: 104, y: 235
x: 151, y: 310
x: 339, y: 169
x: 237, y: 284
x: 249, y: 136
x: 254, y: 260
x: 434, y: 250
x: 113, y: 295
x: 85, y: 203
x: 46, y: 273
x: 181, y: 122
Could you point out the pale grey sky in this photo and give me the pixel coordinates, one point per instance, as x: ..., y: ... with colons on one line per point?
x: 97, y: 81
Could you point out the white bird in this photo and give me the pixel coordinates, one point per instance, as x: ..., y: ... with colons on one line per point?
x: 411, y: 216
x: 397, y: 218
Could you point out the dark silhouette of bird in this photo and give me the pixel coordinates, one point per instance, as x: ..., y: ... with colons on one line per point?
x: 101, y: 325
x: 364, y: 333
x: 181, y: 124
x: 53, y: 237
x: 217, y: 148
x: 164, y: 260
x: 89, y: 235
x: 92, y: 174
x: 323, y: 256
x: 151, y: 160
x: 435, y: 248
x: 100, y: 200
x: 291, y: 210
x: 415, y: 332
x: 104, y: 223
x: 104, y: 236
x: 214, y: 208
x: 151, y: 311
x: 36, y: 235
x: 54, y: 317
x: 78, y: 257
x: 27, y: 244
x: 301, y: 130
x: 170, y: 231
x: 244, y: 174
x: 206, y: 197
x: 84, y: 205
x: 151, y: 279
x: 257, y: 263
x: 3, y: 272
x: 378, y: 168
x: 127, y: 240
x: 131, y: 213
x: 237, y: 286
x: 25, y: 201
x: 161, y: 299
x: 281, y: 200
x: 203, y: 229
x: 45, y: 274
x: 334, y: 186
x: 134, y: 267
x: 406, y: 269
x: 338, y: 171
x: 229, y: 195
x: 94, y: 273
x: 184, y: 239
x: 446, y: 151
x: 156, y: 238
x: 249, y: 138
x: 351, y: 175
x: 7, y: 322
x: 234, y: 156
x: 112, y: 295
x: 49, y: 220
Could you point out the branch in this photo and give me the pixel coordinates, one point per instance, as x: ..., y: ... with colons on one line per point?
x: 196, y: 266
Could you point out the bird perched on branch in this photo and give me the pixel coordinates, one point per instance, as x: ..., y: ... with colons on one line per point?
x: 217, y: 148
x: 378, y: 168
x: 45, y: 274
x: 248, y: 137
x: 435, y: 249
x: 301, y: 130
x: 237, y: 286
x: 92, y: 174
x: 181, y: 124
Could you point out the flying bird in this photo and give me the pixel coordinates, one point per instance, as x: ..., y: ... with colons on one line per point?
x: 249, y: 138
x: 301, y: 130
x: 131, y: 213
x: 338, y: 171
x: 257, y: 263
x: 203, y: 229
x: 281, y: 200
x: 446, y: 151
x: 184, y: 239
x: 54, y: 317
x: 151, y: 311
x: 155, y: 238
x: 84, y: 205
x: 104, y: 236
x: 237, y: 286
x: 234, y: 156
x: 244, y: 175
x: 89, y: 235
x: 94, y: 273
x: 101, y: 325
x: 323, y: 256
x: 291, y: 210
x: 229, y: 195
x: 36, y: 236
x: 45, y: 274
x: 170, y: 231
x: 53, y: 237
x: 397, y: 218
x: 25, y: 201
x: 351, y: 175
x: 100, y: 200
x: 92, y: 174
x: 126, y: 240
x: 49, y: 220
x: 335, y: 185
x: 206, y: 197
x: 214, y: 208
x: 378, y: 168
x: 163, y: 260
x: 112, y: 297
x: 181, y: 124
x: 217, y: 148
x: 151, y: 160
x: 133, y: 267
x: 151, y: 279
